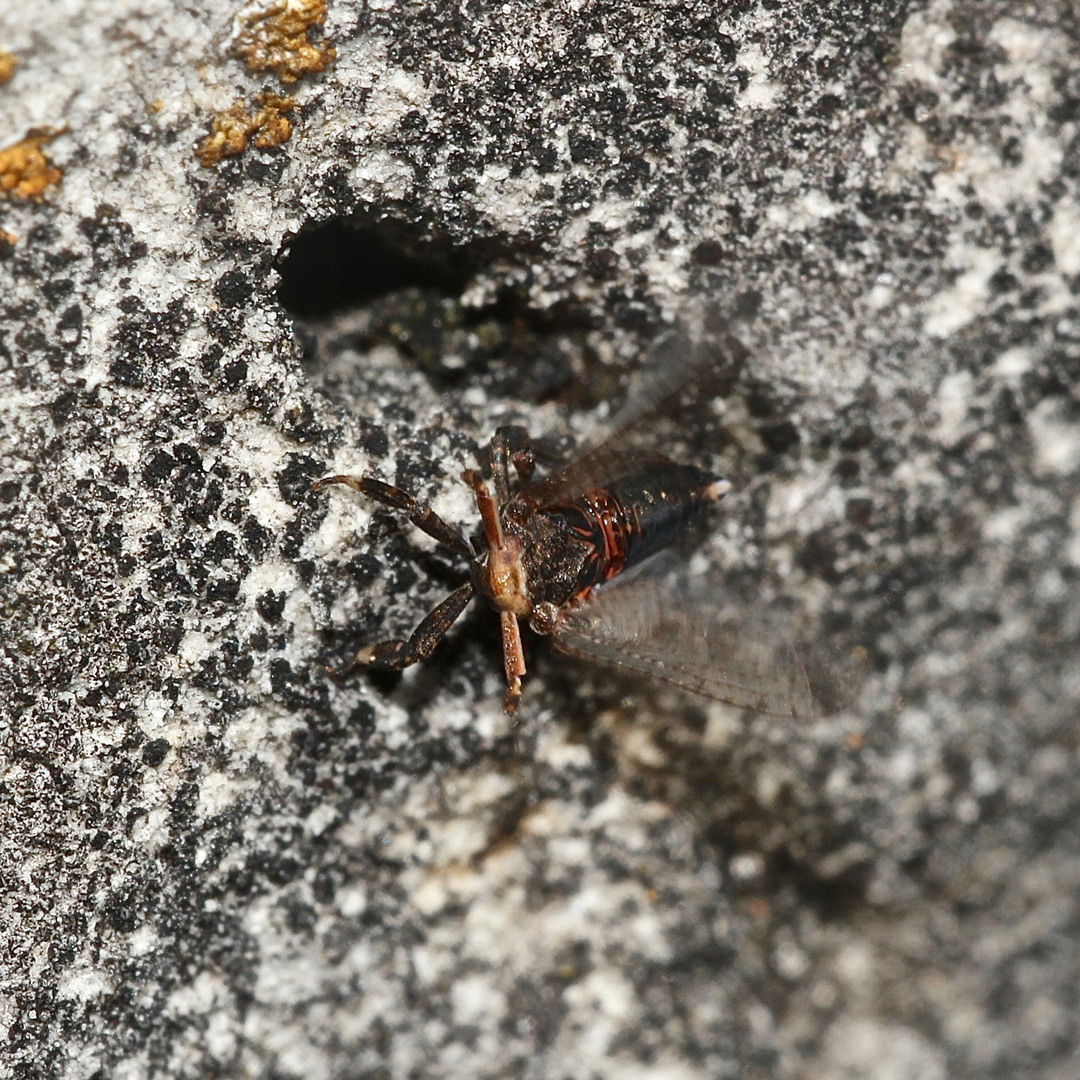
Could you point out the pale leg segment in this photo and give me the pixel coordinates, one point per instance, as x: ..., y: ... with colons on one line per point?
x: 513, y: 660
x: 513, y: 653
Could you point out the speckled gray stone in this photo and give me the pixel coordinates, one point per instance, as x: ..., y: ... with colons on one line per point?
x: 217, y: 861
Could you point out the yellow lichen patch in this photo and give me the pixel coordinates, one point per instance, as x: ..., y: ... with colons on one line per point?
x: 230, y: 130
x: 8, y: 64
x: 272, y: 35
x: 25, y: 171
x: 7, y: 243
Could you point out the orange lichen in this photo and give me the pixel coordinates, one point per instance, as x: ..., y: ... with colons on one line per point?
x: 7, y: 243
x: 272, y: 35
x: 25, y: 171
x: 8, y: 64
x: 230, y: 130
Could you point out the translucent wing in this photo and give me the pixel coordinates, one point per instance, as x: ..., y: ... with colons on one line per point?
x: 751, y: 662
x: 593, y: 469
x: 675, y: 363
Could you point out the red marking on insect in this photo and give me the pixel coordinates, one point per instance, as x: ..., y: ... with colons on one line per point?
x: 551, y: 550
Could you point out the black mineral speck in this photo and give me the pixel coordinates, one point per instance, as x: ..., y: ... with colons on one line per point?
x: 211, y: 359
x: 64, y: 407
x: 69, y: 325
x: 709, y: 253
x: 759, y: 403
x: 160, y: 467
x: 234, y: 512
x: 1038, y: 258
x: 234, y: 374
x: 299, y: 423
x: 265, y: 397
x: 374, y: 440
x: 221, y: 547
x: 236, y: 660
x: 58, y: 289
x: 858, y: 438
x: 860, y: 512
x: 779, y: 437
x: 153, y: 547
x: 121, y: 913
x: 292, y: 539
x: 233, y: 288
x: 257, y: 537
x: 271, y: 606
x: 213, y: 433
x: 294, y: 481
x: 224, y: 590
x: 848, y: 469
x: 203, y: 510
x: 155, y: 751
x: 818, y: 556
x: 127, y: 372
x: 363, y: 569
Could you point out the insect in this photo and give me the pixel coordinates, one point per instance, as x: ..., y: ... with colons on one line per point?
x: 550, y: 552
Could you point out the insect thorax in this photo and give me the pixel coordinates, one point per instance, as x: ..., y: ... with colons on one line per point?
x: 552, y: 555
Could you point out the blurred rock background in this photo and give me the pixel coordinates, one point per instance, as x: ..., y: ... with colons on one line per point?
x: 244, y: 247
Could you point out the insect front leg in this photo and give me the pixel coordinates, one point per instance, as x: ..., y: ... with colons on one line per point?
x: 525, y: 466
x: 488, y: 507
x: 421, y: 515
x: 510, y: 445
x: 397, y: 653
x: 499, y: 452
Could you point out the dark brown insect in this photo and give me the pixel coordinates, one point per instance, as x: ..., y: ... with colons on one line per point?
x: 549, y: 549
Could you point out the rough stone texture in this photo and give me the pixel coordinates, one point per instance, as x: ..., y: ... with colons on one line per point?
x: 216, y: 861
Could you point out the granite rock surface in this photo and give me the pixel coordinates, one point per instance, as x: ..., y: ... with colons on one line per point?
x: 245, y: 247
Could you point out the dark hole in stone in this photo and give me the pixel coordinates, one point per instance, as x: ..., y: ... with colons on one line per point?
x: 338, y: 266
x: 353, y: 284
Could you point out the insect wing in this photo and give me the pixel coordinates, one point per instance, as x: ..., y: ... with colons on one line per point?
x: 675, y: 364
x: 740, y: 660
x: 594, y: 469
x: 676, y: 361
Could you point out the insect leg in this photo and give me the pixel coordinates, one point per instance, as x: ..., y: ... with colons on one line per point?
x: 398, y: 654
x: 524, y: 465
x: 489, y: 512
x: 513, y: 660
x: 516, y: 435
x: 423, y: 517
x: 511, y: 446
x: 499, y: 450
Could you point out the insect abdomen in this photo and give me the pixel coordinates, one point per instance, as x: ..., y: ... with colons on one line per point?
x: 661, y: 503
x: 635, y: 516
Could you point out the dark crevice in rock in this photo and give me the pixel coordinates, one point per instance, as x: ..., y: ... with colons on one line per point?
x: 339, y: 265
